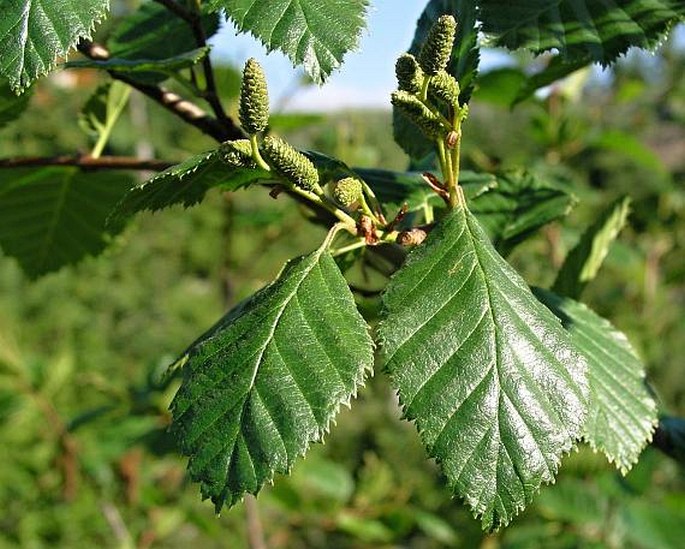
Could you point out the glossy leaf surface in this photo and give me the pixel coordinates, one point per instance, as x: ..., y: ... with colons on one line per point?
x: 491, y: 379
x: 267, y: 380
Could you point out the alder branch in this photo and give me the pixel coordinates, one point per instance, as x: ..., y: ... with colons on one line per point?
x: 194, y: 20
x: 220, y: 130
x: 87, y: 162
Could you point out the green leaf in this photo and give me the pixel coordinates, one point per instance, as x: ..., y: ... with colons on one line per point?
x: 143, y: 65
x: 621, y: 410
x: 265, y: 382
x: 51, y: 217
x: 313, y: 33
x: 11, y: 104
x: 584, y: 261
x: 489, y: 375
x: 186, y: 183
x: 34, y: 33
x: 101, y: 112
x: 154, y: 32
x: 579, y: 29
x: 518, y: 206
x: 463, y: 65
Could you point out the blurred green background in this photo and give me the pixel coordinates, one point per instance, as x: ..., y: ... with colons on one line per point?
x: 84, y: 456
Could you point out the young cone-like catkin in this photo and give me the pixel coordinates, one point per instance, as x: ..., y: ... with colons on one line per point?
x: 347, y: 191
x: 436, y: 51
x: 238, y: 153
x: 289, y: 163
x: 418, y: 113
x: 254, y: 98
x: 444, y: 86
x: 409, y: 74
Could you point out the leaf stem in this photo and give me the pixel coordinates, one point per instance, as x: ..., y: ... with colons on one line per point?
x: 109, y: 124
x: 350, y: 247
x: 349, y: 223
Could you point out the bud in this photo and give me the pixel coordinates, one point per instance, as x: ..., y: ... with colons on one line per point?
x: 409, y: 74
x: 347, y: 191
x: 418, y: 113
x: 436, y: 51
x: 289, y: 163
x: 238, y: 153
x: 452, y: 139
x: 254, y: 98
x: 444, y: 86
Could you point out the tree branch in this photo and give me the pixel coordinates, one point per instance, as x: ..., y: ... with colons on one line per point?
x: 88, y: 162
x: 221, y: 130
x: 194, y: 20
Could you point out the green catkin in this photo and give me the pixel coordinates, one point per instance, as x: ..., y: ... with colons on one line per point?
x: 443, y: 86
x: 436, y: 51
x: 238, y: 153
x: 417, y: 112
x: 254, y: 98
x: 409, y: 74
x: 347, y: 191
x: 289, y: 163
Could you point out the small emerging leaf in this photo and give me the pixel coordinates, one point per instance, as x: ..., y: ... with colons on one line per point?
x: 268, y: 379
x: 585, y: 259
x: 621, y: 410
x: 495, y: 386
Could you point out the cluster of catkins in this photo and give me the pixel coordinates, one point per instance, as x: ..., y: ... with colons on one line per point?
x: 288, y: 164
x: 428, y: 95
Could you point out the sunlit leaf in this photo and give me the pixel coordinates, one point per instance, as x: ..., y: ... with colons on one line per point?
x: 313, y: 33
x: 489, y: 375
x: 35, y: 33
x: 267, y: 380
x: 621, y: 410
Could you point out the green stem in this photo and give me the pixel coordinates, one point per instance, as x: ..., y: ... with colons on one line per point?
x: 256, y: 155
x: 424, y: 87
x: 375, y: 204
x: 350, y: 247
x: 367, y: 211
x: 442, y: 156
x: 456, y: 194
x: 348, y: 221
x: 109, y: 124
